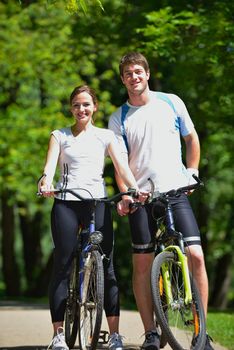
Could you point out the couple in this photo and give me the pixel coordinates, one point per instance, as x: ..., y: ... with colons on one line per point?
x: 143, y: 141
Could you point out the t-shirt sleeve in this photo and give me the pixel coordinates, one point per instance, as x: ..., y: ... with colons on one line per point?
x: 115, y: 126
x: 57, y: 135
x: 185, y: 122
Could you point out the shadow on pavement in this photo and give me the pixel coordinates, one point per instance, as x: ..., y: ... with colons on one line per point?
x: 35, y: 347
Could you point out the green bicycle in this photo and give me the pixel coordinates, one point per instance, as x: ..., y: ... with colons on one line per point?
x: 178, y: 306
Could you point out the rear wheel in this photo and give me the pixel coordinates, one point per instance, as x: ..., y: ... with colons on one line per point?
x: 181, y: 322
x: 91, y: 303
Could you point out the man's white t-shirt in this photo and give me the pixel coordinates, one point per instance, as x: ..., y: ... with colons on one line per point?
x: 153, y: 134
x: 84, y: 158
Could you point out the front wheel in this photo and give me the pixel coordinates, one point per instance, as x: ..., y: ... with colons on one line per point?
x: 181, y: 322
x: 71, y: 311
x: 91, y: 301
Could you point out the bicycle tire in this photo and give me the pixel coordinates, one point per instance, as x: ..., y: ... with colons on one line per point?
x: 71, y: 311
x: 91, y: 303
x: 163, y: 337
x: 181, y: 323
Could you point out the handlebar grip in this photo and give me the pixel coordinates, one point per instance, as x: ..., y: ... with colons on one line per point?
x: 135, y: 205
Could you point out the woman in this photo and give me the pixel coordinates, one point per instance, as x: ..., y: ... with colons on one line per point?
x: 82, y: 147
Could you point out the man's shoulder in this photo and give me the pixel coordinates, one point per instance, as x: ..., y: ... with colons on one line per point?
x: 115, y: 117
x: 172, y: 99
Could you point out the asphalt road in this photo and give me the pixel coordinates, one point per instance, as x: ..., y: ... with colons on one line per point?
x: 28, y: 327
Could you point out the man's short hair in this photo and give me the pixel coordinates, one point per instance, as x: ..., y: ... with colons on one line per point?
x: 133, y: 58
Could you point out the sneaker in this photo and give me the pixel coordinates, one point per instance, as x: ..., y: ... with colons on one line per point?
x: 152, y: 341
x: 115, y: 342
x: 58, y: 342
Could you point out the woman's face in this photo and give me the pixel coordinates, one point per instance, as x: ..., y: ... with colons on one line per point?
x: 83, y: 107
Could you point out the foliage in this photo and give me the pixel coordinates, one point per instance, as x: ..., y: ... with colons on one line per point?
x: 72, y: 6
x: 47, y: 50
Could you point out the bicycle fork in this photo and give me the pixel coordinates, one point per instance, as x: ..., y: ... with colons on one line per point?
x: 181, y: 261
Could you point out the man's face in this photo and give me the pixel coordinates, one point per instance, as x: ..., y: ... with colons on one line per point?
x: 135, y: 78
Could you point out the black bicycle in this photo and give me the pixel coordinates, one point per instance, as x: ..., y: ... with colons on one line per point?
x: 84, y: 305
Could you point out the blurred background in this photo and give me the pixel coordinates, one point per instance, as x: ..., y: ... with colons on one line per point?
x: 49, y: 47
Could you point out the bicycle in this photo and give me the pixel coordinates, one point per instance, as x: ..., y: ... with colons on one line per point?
x: 177, y: 303
x: 84, y: 305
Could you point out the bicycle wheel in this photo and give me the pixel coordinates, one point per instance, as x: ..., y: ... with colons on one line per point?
x: 180, y: 322
x: 163, y: 337
x: 91, y: 303
x: 71, y: 312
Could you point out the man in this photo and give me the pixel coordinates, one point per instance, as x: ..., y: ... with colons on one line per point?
x: 148, y: 127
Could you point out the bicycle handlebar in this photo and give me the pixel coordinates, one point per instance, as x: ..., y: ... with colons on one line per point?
x: 155, y: 195
x: 111, y: 200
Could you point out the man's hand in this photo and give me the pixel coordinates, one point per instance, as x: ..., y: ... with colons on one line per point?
x: 191, y: 180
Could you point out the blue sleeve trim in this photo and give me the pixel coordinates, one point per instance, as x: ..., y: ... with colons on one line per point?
x: 166, y: 99
x: 124, y: 111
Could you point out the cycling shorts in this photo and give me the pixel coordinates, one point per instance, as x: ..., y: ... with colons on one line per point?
x: 143, y: 224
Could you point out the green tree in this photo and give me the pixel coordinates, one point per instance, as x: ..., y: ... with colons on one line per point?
x: 47, y: 50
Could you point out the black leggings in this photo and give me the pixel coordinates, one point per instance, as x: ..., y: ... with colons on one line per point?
x: 66, y: 217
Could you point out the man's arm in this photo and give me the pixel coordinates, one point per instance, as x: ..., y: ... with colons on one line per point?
x: 192, y: 150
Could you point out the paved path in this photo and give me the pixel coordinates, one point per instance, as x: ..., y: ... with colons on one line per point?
x: 29, y: 328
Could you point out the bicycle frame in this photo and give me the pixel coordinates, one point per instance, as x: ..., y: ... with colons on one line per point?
x: 85, y: 249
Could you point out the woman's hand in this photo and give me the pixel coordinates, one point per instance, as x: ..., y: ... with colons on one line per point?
x: 47, y: 190
x: 123, y: 206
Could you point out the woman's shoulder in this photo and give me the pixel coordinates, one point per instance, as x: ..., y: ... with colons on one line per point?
x: 62, y: 132
x: 104, y: 134
x: 65, y: 130
x: 103, y: 131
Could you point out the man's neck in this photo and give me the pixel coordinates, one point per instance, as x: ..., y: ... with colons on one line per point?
x: 139, y: 99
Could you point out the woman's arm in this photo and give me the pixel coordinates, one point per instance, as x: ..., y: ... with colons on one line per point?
x: 50, y: 164
x: 121, y: 166
x: 124, y: 178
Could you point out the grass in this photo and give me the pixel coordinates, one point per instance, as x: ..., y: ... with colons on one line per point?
x: 220, y: 326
